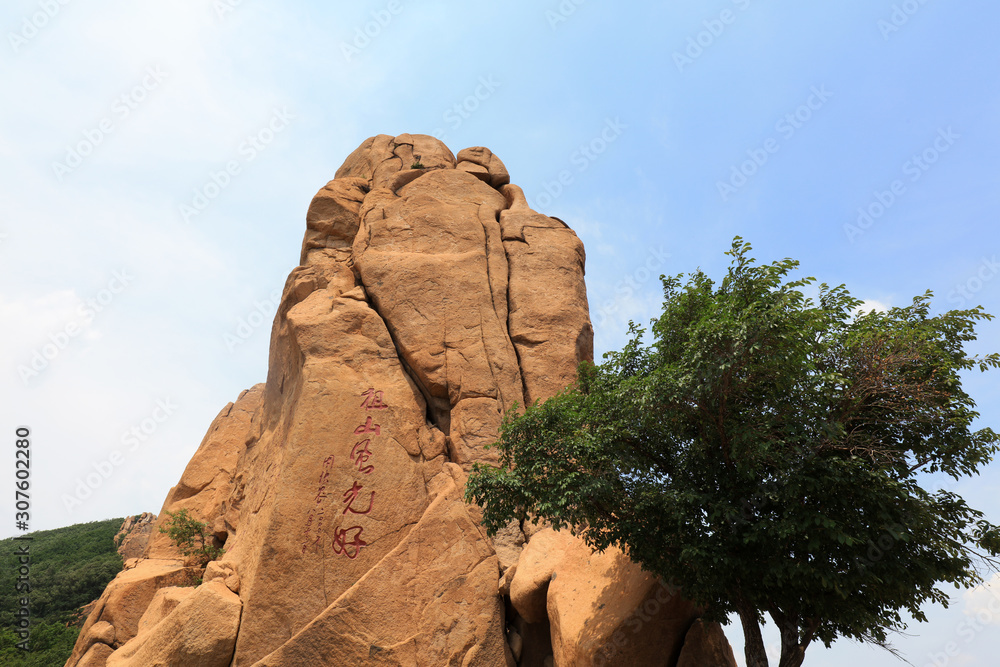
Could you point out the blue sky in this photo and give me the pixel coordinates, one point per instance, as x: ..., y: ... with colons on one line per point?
x: 658, y: 131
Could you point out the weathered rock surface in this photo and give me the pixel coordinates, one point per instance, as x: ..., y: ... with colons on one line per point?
x: 201, y: 631
x: 164, y: 602
x: 123, y: 603
x: 429, y: 299
x: 546, y: 323
x: 601, y: 608
x: 706, y: 646
x: 459, y: 622
x: 134, y: 535
x: 433, y: 260
x: 206, y: 485
x: 96, y: 656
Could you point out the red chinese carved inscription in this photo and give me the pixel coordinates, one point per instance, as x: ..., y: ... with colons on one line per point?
x: 351, y: 495
x: 360, y: 455
x: 373, y: 400
x: 368, y: 427
x: 348, y: 541
x: 316, y: 514
x: 351, y: 548
x: 327, y: 469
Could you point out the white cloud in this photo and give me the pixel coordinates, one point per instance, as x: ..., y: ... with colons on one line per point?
x: 869, y: 305
x: 982, y: 603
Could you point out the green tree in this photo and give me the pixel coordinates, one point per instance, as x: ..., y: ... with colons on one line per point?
x: 766, y: 453
x: 50, y: 644
x: 192, y: 537
x: 69, y: 567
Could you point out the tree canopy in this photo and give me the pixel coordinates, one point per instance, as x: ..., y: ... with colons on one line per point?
x: 192, y: 537
x: 69, y: 568
x: 766, y: 453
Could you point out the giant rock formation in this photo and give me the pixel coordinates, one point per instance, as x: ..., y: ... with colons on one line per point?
x: 429, y: 299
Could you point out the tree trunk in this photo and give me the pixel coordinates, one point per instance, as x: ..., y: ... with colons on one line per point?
x: 753, y: 642
x: 792, y: 656
x: 792, y: 651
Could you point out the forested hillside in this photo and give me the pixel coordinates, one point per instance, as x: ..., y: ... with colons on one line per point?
x: 69, y: 568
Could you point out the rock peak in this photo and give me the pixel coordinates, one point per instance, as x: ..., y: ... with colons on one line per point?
x: 429, y: 299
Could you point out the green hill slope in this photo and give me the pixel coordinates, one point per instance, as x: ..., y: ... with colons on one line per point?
x: 69, y: 568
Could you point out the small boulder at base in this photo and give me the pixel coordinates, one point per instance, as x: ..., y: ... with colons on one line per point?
x: 706, y: 646
x: 200, y: 631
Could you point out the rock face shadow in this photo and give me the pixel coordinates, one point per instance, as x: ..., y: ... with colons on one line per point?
x: 598, y: 608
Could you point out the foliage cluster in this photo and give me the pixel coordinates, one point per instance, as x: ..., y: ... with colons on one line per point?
x: 192, y: 537
x: 767, y: 452
x: 70, y: 567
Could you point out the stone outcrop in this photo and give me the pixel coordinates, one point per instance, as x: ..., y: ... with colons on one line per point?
x: 133, y: 537
x: 200, y: 630
x: 705, y: 645
x: 206, y: 485
x: 428, y: 300
x: 115, y: 618
x: 600, y: 608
